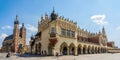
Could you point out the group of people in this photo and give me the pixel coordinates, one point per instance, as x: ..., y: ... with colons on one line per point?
x: 59, y: 54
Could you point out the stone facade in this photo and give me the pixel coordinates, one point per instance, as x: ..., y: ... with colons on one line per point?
x: 59, y: 35
x: 17, y: 41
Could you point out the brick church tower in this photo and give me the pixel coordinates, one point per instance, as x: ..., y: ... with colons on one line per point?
x: 23, y: 37
x: 16, y: 34
x: 15, y: 42
x: 19, y: 36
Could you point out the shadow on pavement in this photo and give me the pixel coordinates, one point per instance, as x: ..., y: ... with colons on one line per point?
x: 30, y: 55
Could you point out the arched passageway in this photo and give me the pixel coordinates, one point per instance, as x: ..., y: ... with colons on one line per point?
x: 84, y: 49
x: 93, y: 50
x: 72, y: 49
x: 96, y: 51
x: 99, y: 51
x: 104, y: 50
x: 50, y: 48
x: 80, y: 49
x: 36, y: 48
x: 39, y: 48
x: 64, y: 48
x: 89, y: 50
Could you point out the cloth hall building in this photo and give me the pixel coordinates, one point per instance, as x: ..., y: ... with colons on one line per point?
x: 59, y: 35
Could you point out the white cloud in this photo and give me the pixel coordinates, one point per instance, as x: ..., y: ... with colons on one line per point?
x: 20, y: 25
x: 31, y: 28
x: 7, y: 27
x: 99, y: 19
x: 118, y: 28
x: 27, y: 41
x: 2, y: 36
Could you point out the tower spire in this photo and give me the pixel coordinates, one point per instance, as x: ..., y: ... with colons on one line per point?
x: 53, y: 10
x: 103, y: 30
x: 22, y: 24
x: 16, y: 20
x: 53, y: 15
x: 39, y: 21
x: 23, y: 27
x: 16, y: 17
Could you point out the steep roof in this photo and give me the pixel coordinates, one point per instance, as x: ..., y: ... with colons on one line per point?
x: 94, y: 39
x: 9, y: 37
x: 109, y: 44
x: 90, y: 39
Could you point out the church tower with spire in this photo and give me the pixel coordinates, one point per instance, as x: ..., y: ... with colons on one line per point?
x: 16, y: 34
x: 15, y: 42
x: 22, y: 36
x: 19, y: 36
x: 103, y: 30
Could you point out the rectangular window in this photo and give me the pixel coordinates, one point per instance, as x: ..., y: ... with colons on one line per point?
x: 68, y: 33
x: 63, y: 31
x: 73, y: 33
x: 52, y: 30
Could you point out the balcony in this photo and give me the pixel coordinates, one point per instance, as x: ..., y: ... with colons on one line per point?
x: 53, y: 41
x: 52, y: 34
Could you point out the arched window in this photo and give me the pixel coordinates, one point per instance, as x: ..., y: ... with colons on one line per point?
x: 52, y: 30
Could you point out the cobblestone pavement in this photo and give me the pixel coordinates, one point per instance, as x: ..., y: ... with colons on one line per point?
x: 106, y: 56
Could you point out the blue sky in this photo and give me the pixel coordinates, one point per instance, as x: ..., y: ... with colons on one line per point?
x: 89, y: 14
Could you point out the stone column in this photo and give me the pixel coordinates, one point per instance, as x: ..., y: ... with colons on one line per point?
x: 76, y: 51
x: 53, y: 51
x: 68, y: 51
x: 86, y: 51
x: 34, y: 50
x: 90, y: 51
x: 93, y: 51
x: 100, y: 51
x: 96, y: 51
x: 81, y: 50
x: 106, y: 50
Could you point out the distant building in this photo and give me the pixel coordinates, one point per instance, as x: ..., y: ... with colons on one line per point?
x: 17, y: 41
x: 111, y: 44
x: 28, y: 49
x: 59, y: 35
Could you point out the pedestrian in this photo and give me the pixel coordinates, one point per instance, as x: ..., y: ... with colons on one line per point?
x: 8, y: 55
x: 57, y: 55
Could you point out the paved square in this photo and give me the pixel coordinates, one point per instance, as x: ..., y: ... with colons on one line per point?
x: 106, y: 56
